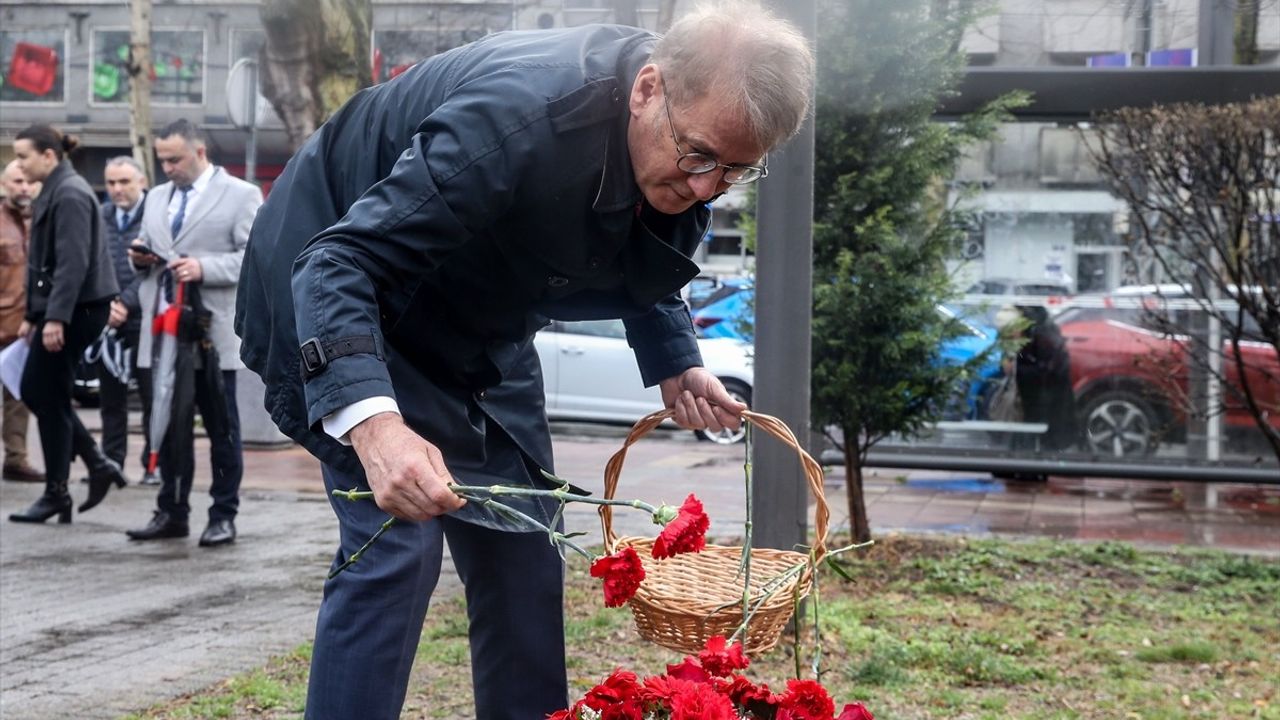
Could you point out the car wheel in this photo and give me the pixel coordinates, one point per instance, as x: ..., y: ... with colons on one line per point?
x: 740, y: 392
x: 1120, y: 424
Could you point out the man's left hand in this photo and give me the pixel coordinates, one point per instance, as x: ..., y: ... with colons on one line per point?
x: 187, y: 269
x: 119, y: 314
x: 700, y: 401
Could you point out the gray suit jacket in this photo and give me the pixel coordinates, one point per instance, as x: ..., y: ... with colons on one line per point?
x: 215, y: 232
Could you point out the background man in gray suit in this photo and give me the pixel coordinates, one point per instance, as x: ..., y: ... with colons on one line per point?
x: 198, y: 222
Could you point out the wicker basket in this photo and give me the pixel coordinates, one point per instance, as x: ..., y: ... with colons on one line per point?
x: 687, y: 599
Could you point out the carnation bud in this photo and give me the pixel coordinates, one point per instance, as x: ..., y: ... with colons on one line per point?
x: 665, y: 514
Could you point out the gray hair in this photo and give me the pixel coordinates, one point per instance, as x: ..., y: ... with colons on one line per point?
x: 760, y: 65
x: 127, y: 160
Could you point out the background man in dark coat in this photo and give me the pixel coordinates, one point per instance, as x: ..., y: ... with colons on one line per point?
x: 122, y: 220
x: 438, y: 221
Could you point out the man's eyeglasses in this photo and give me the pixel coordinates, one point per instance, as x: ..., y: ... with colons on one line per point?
x: 696, y: 163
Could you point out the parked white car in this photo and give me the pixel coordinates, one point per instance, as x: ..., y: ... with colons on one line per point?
x: 590, y: 373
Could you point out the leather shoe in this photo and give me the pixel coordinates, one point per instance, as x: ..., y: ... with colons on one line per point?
x: 100, y: 481
x: 162, y: 525
x: 219, y: 532
x: 23, y: 473
x: 149, y: 479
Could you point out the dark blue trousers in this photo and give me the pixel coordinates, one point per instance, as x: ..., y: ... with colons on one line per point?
x: 371, y: 617
x: 226, y: 456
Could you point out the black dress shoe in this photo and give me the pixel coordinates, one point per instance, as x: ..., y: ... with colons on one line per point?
x: 219, y: 532
x: 162, y: 525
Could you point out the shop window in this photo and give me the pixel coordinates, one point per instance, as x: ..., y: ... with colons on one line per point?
x: 177, y: 67
x: 32, y: 66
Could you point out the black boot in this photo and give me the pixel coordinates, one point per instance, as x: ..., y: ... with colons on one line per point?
x: 54, y: 501
x: 101, y: 478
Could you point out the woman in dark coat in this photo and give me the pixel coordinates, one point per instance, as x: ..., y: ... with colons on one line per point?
x: 70, y: 284
x: 1044, y: 380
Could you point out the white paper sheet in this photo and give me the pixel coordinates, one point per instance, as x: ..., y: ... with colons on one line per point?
x: 12, y: 361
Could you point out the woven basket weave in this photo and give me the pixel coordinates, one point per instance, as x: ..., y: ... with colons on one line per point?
x: 687, y: 599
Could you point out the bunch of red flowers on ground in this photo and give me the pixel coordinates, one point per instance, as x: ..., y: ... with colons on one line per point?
x: 706, y: 687
x: 622, y: 571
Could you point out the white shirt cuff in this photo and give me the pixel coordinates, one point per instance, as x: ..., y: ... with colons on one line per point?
x: 339, y: 422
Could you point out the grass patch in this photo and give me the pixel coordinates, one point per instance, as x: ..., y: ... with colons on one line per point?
x: 931, y: 629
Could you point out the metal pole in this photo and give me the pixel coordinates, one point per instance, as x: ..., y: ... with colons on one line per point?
x: 784, y: 270
x: 251, y: 152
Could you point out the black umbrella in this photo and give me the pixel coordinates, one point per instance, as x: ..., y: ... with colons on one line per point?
x: 182, y: 349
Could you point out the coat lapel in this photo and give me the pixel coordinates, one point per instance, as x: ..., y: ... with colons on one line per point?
x: 205, y: 204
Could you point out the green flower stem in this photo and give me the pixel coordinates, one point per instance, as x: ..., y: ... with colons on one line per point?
x: 481, y: 492
x: 357, y: 554
x: 486, y: 495
x: 484, y: 492
x: 556, y: 537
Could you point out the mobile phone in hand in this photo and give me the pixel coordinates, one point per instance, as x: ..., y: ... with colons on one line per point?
x: 146, y: 250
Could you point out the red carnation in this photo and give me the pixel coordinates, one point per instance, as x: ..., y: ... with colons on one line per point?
x: 699, y: 701
x: 659, y: 689
x: 687, y: 533
x: 856, y: 711
x: 807, y: 700
x: 756, y: 700
x: 720, y: 661
x: 689, y: 670
x: 622, y: 573
x: 621, y: 687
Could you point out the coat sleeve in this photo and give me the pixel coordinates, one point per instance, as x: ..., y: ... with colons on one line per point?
x: 72, y: 231
x: 222, y: 269
x: 458, y: 175
x: 664, y: 341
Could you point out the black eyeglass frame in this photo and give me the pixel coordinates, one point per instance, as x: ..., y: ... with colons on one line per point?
x: 704, y: 163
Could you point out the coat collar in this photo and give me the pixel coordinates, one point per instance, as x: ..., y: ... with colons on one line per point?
x: 618, y: 189
x: 60, y: 173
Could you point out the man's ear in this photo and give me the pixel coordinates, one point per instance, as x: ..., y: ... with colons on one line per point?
x: 645, y: 89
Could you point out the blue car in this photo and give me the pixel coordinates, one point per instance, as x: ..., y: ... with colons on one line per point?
x: 732, y: 316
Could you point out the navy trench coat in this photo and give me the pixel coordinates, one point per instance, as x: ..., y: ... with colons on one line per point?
x: 449, y: 214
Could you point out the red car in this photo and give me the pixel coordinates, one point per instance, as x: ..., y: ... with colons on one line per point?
x: 1131, y: 379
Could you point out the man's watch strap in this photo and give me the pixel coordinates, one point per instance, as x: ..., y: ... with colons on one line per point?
x: 317, y: 355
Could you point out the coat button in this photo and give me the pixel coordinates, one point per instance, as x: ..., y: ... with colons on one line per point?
x: 480, y: 395
x: 593, y: 263
x: 556, y: 281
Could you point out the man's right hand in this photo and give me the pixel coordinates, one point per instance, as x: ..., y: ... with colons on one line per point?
x: 406, y: 473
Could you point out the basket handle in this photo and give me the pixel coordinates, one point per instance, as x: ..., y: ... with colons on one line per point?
x: 768, y: 423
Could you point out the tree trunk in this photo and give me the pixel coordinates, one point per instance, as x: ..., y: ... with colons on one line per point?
x: 859, y: 528
x: 315, y: 57
x: 140, y: 86
x: 1246, y: 32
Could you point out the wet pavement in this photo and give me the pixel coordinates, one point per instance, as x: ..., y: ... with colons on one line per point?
x: 94, y: 626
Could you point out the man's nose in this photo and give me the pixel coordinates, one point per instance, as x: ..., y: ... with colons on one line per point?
x: 706, y: 185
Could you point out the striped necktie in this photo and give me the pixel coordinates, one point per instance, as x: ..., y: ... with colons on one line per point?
x: 176, y: 225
